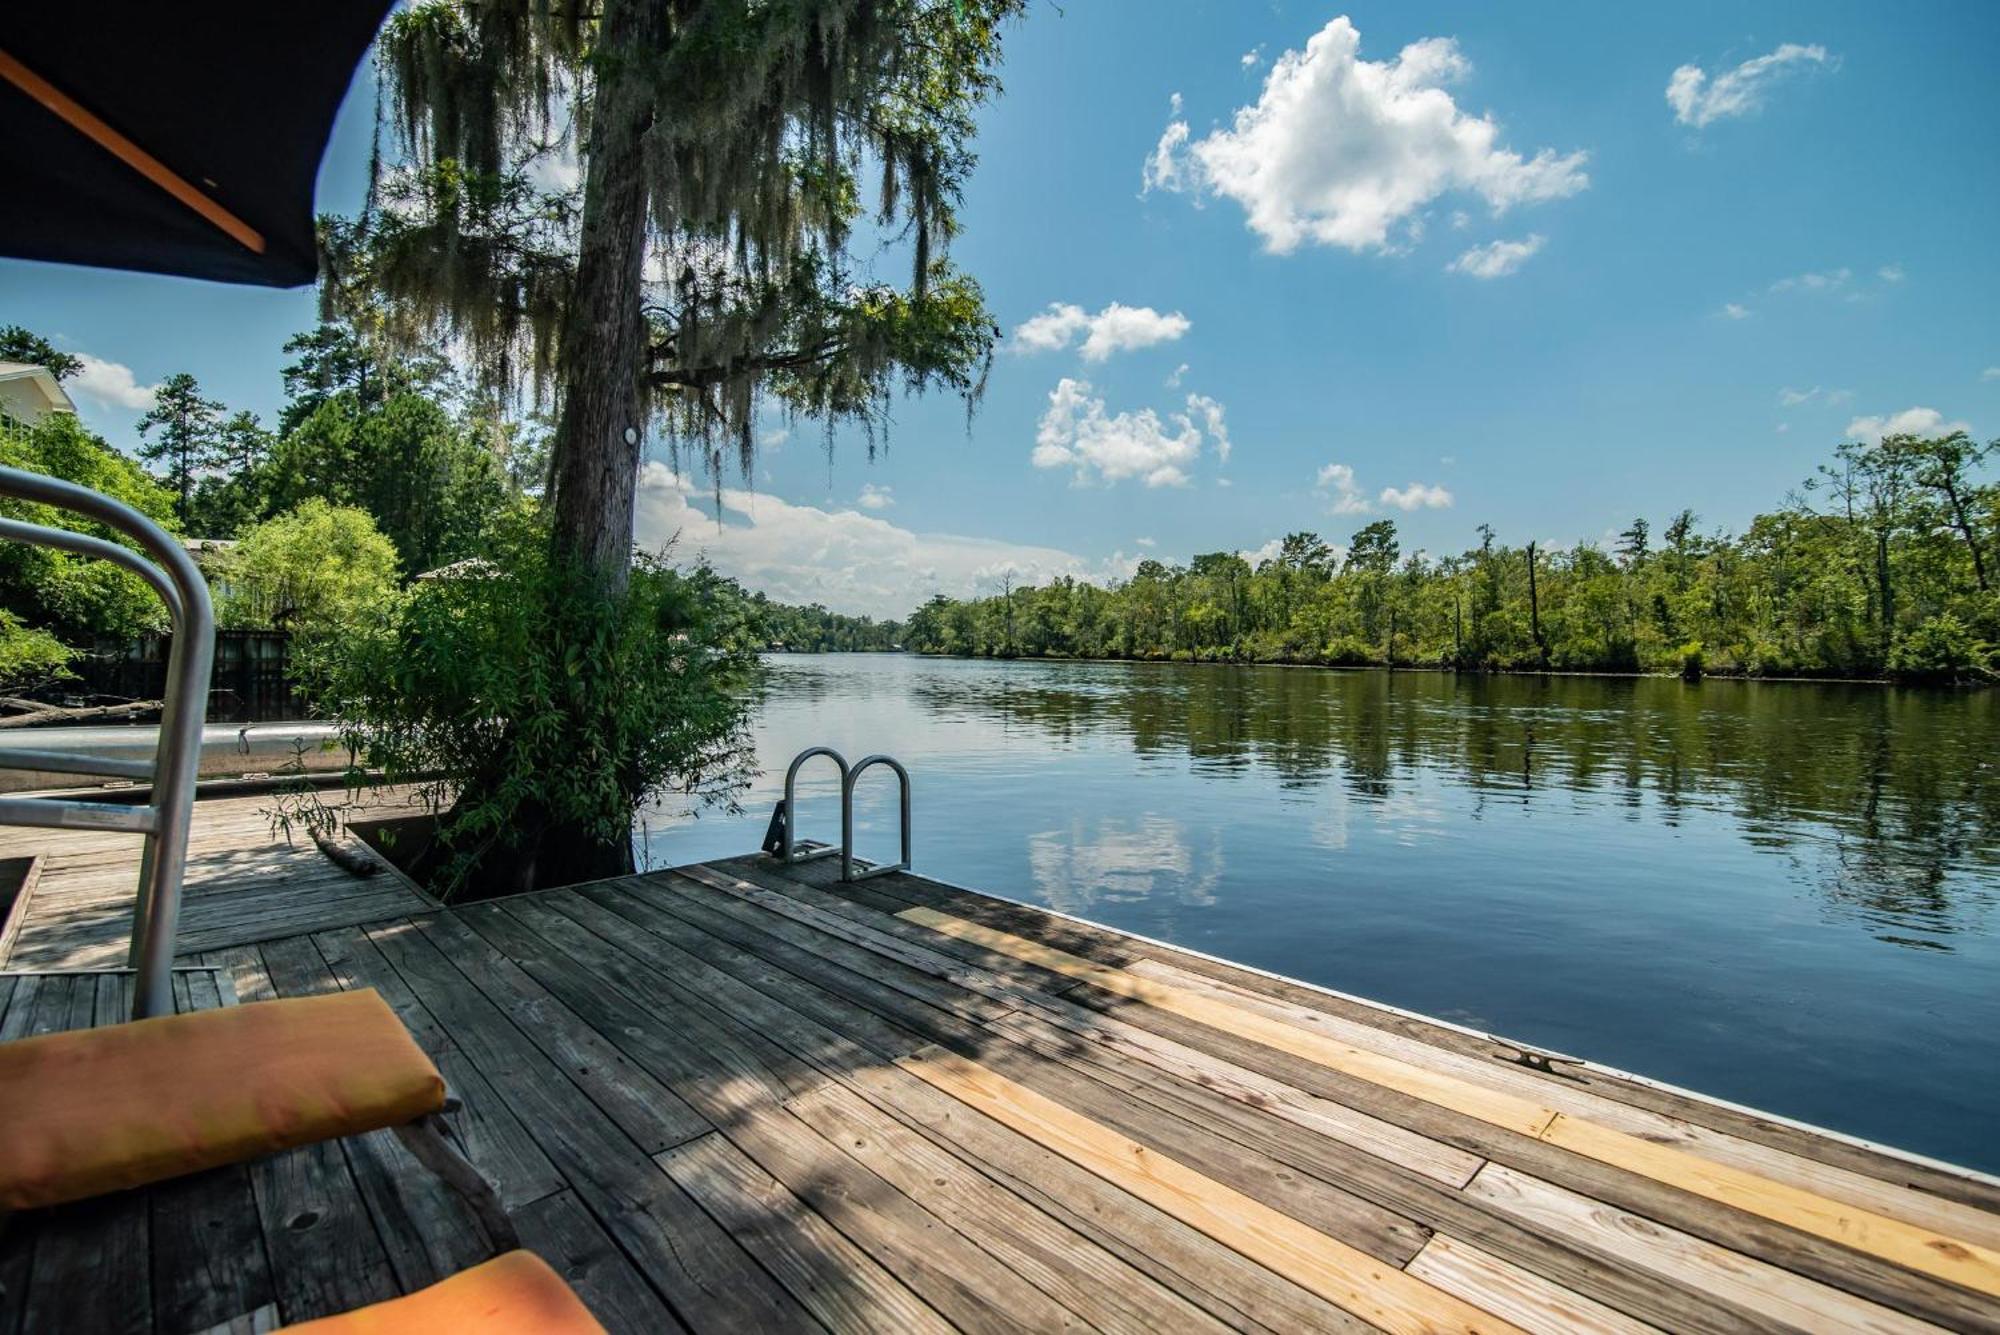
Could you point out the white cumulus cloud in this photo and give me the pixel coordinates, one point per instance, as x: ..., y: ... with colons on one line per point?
x: 1116, y: 328
x: 1079, y: 432
x: 1417, y: 496
x: 1165, y: 168
x: 1497, y: 259
x: 847, y: 560
x: 1909, y: 422
x: 873, y: 497
x: 1990, y: 373
x: 1343, y: 494
x: 1342, y: 151
x: 1699, y: 98
x: 111, y: 384
x: 1733, y: 310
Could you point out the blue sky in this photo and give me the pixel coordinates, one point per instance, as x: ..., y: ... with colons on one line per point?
x: 1545, y: 268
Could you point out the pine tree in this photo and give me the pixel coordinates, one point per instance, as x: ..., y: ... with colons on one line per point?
x: 189, y: 434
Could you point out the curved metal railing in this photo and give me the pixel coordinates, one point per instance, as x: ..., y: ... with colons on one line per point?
x: 780, y: 840
x: 164, y: 820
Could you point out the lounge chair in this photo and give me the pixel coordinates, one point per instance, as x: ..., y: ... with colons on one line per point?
x: 516, y: 1292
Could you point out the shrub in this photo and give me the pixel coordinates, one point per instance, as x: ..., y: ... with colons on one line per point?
x: 318, y: 569
x: 535, y: 701
x: 1690, y: 661
x: 30, y: 657
x: 1940, y: 648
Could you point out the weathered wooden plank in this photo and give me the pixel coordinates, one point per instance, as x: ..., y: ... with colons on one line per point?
x: 559, y: 1230
x: 683, y: 1047
x: 91, y: 1257
x: 840, y: 917
x: 1107, y: 945
x: 654, y: 1116
x: 325, y: 1254
x: 1209, y: 1275
x: 426, y: 1228
x: 356, y: 962
x: 966, y: 1285
x: 1766, y: 1290
x: 834, y: 1279
x: 1105, y: 1291
x: 1406, y: 1193
x: 674, y: 945
x: 1378, y: 1293
x: 1924, y: 1251
x: 722, y: 1068
x: 1523, y: 1297
x: 1835, y: 1183
x: 706, y: 1277
x: 1206, y: 1145
x: 209, y: 1261
x: 1808, y: 1255
x: 799, y: 947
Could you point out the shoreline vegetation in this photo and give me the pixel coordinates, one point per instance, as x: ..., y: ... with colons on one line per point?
x: 1878, y: 567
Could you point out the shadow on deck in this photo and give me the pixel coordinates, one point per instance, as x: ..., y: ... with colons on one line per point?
x: 730, y: 1097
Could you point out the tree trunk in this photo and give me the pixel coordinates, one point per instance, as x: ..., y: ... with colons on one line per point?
x: 1535, y: 610
x: 1965, y: 531
x: 594, y: 473
x: 603, y: 423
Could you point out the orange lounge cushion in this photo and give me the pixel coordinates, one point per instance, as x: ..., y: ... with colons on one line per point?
x: 513, y: 1292
x: 97, y: 1110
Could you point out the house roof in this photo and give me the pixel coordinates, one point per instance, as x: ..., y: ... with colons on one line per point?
x: 42, y: 381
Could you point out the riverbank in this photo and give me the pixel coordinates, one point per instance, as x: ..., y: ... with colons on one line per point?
x: 1592, y: 674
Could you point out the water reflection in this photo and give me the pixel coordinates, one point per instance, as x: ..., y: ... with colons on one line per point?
x: 1885, y: 802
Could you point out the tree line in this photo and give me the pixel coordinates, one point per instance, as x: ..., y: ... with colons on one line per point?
x: 1881, y: 563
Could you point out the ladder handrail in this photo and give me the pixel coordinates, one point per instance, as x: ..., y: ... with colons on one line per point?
x: 847, y: 872
x: 791, y: 806
x: 173, y: 575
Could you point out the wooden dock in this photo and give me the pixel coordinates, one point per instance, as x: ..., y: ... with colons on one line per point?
x: 736, y: 1098
x: 244, y: 883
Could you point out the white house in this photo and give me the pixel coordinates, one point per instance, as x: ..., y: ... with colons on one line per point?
x: 28, y: 393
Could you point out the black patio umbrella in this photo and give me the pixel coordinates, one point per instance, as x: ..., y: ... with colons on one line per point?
x: 174, y: 138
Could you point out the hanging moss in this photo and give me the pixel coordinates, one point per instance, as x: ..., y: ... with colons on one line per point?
x: 766, y: 116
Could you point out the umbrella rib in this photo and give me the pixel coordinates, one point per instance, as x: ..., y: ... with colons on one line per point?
x: 83, y: 121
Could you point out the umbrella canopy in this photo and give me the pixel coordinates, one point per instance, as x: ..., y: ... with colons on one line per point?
x: 174, y: 138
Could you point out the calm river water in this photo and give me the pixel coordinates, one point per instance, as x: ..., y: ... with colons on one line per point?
x: 1786, y: 895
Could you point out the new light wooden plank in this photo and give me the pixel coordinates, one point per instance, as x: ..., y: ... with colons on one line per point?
x: 833, y: 1034
x: 1522, y: 1296
x: 835, y: 1280
x: 1369, y: 1288
x: 1953, y: 1218
x: 1107, y: 946
x: 1105, y: 1291
x: 1767, y: 1290
x: 1922, y: 1250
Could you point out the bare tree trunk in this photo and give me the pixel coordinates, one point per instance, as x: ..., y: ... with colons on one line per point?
x: 1535, y: 610
x: 603, y: 422
x: 1964, y: 526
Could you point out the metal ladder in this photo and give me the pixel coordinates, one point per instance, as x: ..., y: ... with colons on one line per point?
x: 779, y: 838
x: 172, y: 772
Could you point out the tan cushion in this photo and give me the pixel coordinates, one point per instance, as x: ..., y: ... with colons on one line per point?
x: 516, y: 1292
x: 98, y: 1110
